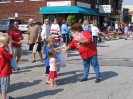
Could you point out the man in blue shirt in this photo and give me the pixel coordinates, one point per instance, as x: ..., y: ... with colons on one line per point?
x: 64, y: 31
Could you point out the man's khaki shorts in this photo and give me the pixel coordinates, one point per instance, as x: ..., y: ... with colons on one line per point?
x: 17, y: 51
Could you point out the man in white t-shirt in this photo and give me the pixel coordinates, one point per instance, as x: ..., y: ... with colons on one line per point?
x: 95, y: 32
x: 45, y: 32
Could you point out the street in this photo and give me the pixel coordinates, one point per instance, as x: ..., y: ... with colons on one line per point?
x: 116, y: 66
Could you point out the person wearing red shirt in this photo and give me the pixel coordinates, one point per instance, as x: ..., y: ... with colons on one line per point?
x: 123, y: 26
x: 16, y: 36
x: 5, y: 67
x: 87, y: 51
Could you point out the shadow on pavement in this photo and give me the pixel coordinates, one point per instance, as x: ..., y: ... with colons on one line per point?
x: 33, y: 66
x: 71, y: 79
x: 26, y: 52
x: 74, y: 60
x: 107, y: 75
x: 70, y: 55
x: 28, y: 69
x: 41, y: 94
x: 125, y: 62
x: 22, y: 71
x: 102, y: 45
x: 23, y: 85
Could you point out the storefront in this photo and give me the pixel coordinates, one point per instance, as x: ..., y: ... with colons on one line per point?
x: 62, y: 9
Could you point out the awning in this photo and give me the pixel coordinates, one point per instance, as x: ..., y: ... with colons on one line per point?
x: 66, y: 9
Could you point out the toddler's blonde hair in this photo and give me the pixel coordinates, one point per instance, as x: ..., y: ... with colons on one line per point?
x: 51, y: 36
x: 4, y: 38
x: 48, y: 40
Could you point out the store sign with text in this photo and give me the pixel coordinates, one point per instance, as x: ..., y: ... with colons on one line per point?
x: 85, y: 5
x: 59, y: 3
x: 104, y: 8
x: 131, y: 12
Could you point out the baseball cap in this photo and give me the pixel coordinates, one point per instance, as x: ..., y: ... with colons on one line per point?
x: 31, y: 20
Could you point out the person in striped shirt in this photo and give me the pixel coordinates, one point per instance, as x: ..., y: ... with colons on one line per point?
x: 55, y: 30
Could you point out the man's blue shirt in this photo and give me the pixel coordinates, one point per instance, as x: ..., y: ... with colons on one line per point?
x: 64, y: 29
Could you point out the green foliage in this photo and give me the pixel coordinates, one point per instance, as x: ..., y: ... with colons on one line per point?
x: 71, y: 18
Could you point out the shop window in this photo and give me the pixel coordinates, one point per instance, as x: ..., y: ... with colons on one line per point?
x: 5, y: 1
x: 119, y: 5
x: 100, y: 2
x: 108, y: 2
x: 112, y: 3
x: 19, y: 0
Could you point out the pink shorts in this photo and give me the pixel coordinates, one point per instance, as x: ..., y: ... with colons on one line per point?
x: 53, y: 74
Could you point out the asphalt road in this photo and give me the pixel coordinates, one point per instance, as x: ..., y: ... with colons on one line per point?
x: 116, y: 65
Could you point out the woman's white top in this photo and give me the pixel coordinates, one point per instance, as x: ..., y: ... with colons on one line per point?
x: 116, y: 26
x: 45, y: 31
x: 94, y: 31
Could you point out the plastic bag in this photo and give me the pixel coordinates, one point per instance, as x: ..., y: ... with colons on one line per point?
x: 14, y: 64
x: 35, y: 47
x: 63, y: 56
x: 58, y: 56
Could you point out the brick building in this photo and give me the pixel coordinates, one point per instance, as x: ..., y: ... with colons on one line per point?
x: 25, y: 9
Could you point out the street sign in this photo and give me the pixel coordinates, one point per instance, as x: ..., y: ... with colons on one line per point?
x: 85, y: 5
x: 104, y: 8
x: 59, y: 3
x: 16, y: 15
x: 131, y: 12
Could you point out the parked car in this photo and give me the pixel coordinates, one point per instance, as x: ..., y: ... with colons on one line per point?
x: 7, y: 24
x: 24, y: 26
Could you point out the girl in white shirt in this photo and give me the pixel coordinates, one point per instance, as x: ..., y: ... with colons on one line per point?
x: 53, y: 67
x: 116, y: 27
x: 95, y: 32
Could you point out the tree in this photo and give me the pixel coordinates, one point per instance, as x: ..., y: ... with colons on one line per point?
x: 71, y: 19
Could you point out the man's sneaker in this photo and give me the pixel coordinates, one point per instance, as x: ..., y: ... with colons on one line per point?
x: 97, y: 80
x: 83, y: 79
x: 9, y: 97
x: 18, y: 69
